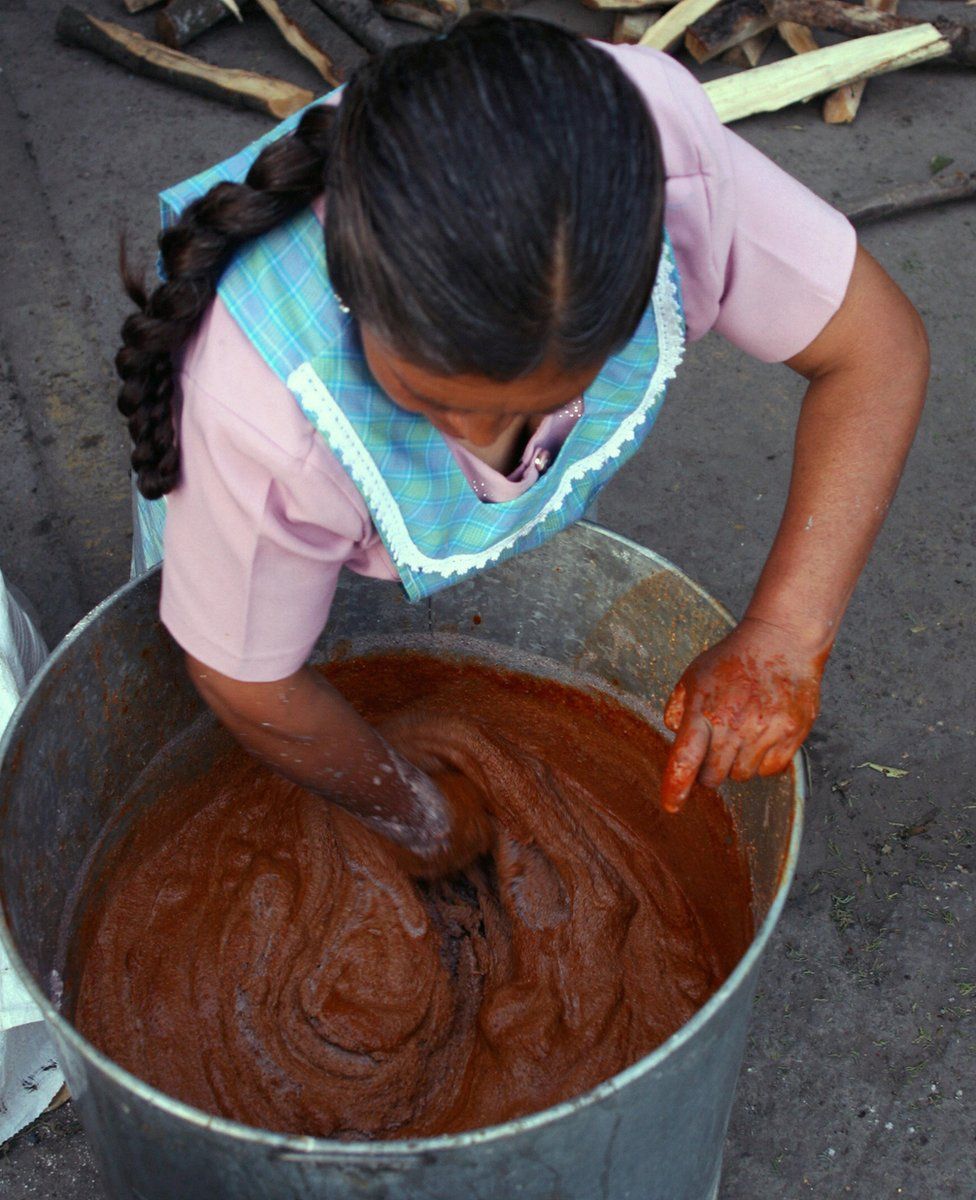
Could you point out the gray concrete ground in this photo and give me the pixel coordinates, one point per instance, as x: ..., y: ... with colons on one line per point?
x: 860, y: 1076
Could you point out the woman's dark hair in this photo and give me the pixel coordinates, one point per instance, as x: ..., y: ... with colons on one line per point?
x: 494, y: 201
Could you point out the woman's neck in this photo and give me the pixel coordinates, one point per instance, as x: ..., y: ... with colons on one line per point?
x: 505, y: 452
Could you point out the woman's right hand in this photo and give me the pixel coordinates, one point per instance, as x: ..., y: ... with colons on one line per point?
x: 304, y: 729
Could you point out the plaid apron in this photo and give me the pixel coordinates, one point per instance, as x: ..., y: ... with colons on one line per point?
x: 435, y: 528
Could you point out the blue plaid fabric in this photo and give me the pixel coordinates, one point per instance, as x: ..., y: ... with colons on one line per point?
x: 434, y: 526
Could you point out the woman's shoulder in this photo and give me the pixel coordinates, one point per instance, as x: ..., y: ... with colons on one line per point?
x: 225, y: 382
x: 237, y: 415
x: 692, y: 141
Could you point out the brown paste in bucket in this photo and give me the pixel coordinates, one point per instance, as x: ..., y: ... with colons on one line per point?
x: 259, y: 954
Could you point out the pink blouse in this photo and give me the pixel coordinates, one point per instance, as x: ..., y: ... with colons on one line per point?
x: 265, y: 517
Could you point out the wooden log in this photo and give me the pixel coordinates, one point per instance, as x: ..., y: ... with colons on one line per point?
x: 317, y: 39
x: 153, y: 59
x: 134, y: 6
x: 415, y: 14
x: 672, y: 26
x: 798, y: 37
x: 183, y: 20
x: 728, y: 25
x: 856, y: 20
x: 748, y: 54
x: 769, y: 88
x: 840, y: 107
x: 361, y: 21
x: 913, y: 196
x: 632, y: 6
x: 629, y: 28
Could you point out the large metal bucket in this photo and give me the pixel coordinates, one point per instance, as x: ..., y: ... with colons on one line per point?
x: 115, y: 693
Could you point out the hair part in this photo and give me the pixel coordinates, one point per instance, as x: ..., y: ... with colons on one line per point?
x: 494, y: 201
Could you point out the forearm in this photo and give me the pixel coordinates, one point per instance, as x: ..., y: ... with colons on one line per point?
x: 304, y: 729
x: 745, y: 705
x: 855, y: 430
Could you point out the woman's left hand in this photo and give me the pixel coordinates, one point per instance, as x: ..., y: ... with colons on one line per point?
x: 742, y: 708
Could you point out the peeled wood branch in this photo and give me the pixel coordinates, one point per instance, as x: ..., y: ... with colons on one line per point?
x: 317, y: 39
x: 726, y: 26
x: 672, y: 26
x: 767, y: 89
x: 747, y: 54
x: 629, y: 28
x: 153, y: 59
x: 840, y: 107
x: 798, y: 37
x: 856, y: 20
x: 913, y: 196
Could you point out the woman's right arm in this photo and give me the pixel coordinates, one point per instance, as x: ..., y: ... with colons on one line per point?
x: 305, y: 730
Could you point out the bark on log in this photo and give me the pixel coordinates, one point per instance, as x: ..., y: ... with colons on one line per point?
x: 629, y: 28
x: 798, y: 37
x: 912, y: 197
x: 361, y: 21
x: 672, y: 26
x: 183, y: 20
x: 317, y: 39
x: 497, y: 5
x: 856, y: 20
x: 728, y: 25
x: 153, y: 59
x: 840, y: 107
x: 767, y: 89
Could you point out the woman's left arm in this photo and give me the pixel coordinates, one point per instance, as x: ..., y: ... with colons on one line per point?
x: 745, y: 706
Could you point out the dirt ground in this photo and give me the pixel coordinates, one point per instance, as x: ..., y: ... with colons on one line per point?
x: 860, y: 1074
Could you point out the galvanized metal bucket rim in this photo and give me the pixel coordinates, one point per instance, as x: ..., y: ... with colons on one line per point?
x: 307, y: 1146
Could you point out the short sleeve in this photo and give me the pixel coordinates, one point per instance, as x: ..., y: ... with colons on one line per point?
x: 762, y: 259
x: 262, y: 522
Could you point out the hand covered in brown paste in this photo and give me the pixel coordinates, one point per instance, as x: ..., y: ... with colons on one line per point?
x: 742, y: 708
x: 468, y: 831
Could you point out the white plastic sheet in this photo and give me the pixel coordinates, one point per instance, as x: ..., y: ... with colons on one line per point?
x: 29, y: 1075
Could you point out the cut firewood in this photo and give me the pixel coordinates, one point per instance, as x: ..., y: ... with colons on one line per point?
x: 840, y: 107
x: 798, y: 37
x: 415, y: 14
x: 134, y: 6
x: 913, y: 196
x: 749, y: 53
x: 630, y: 5
x: 146, y: 57
x: 857, y: 20
x: 672, y: 26
x: 767, y: 89
x: 318, y: 39
x: 361, y: 21
x: 183, y: 20
x: 629, y: 28
x: 728, y: 25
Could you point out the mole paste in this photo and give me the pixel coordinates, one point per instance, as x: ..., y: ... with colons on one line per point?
x: 256, y: 952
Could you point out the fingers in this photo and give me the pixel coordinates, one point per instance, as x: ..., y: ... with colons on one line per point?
x: 778, y: 758
x: 687, y: 755
x: 721, y: 755
x: 674, y: 711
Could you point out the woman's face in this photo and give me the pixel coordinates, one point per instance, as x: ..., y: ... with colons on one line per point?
x: 470, y: 407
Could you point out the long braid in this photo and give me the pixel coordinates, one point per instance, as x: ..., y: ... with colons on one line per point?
x: 285, y: 177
